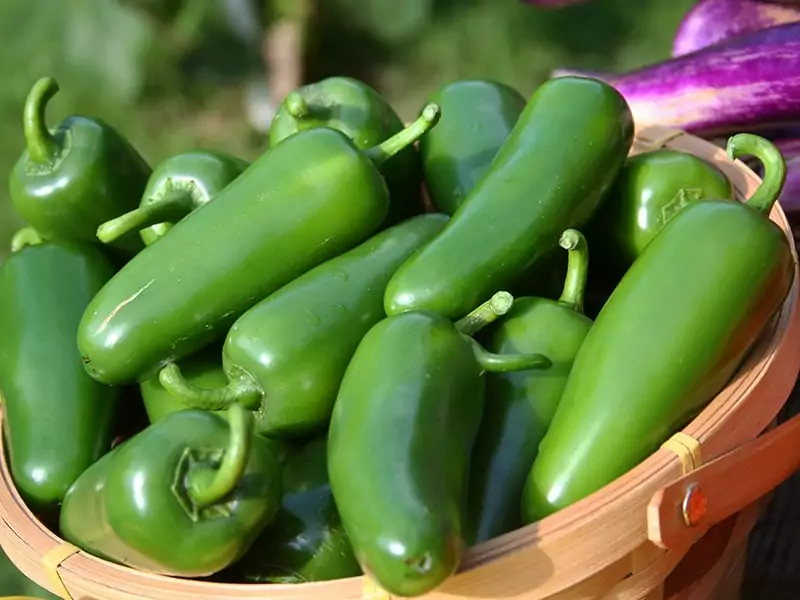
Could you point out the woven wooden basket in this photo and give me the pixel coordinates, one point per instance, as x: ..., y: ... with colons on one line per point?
x: 621, y: 543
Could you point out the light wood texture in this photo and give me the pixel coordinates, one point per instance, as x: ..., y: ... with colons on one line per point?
x: 729, y: 483
x: 596, y: 549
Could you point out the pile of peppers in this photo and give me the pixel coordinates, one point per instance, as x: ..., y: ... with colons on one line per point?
x: 375, y: 345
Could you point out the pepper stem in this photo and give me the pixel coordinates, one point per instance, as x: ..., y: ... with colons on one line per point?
x: 388, y: 148
x: 171, y: 207
x: 27, y: 236
x: 572, y: 295
x: 774, y: 178
x: 296, y: 105
x: 486, y: 313
x: 43, y: 148
x: 208, y: 486
x: 505, y: 363
x: 240, y: 391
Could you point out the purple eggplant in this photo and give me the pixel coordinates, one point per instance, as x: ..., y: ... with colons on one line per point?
x: 789, y: 147
x: 712, y: 21
x: 743, y: 84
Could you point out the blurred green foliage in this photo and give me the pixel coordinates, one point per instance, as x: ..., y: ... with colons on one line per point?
x: 176, y: 74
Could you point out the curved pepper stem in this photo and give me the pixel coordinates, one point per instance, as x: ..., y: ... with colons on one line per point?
x: 171, y: 207
x: 207, y: 486
x: 505, y: 363
x: 774, y: 168
x: 27, y: 236
x: 43, y: 148
x: 572, y: 295
x: 408, y: 136
x: 296, y: 105
x: 486, y: 313
x: 241, y: 391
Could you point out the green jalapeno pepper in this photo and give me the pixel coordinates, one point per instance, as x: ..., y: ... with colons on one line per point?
x: 358, y: 111
x: 538, y: 186
x: 670, y: 337
x: 69, y: 181
x: 185, y: 497
x: 400, y: 440
x: 308, y: 199
x: 650, y: 189
x: 477, y: 118
x: 287, y: 354
x: 179, y: 185
x: 520, y: 405
x: 306, y: 541
x: 57, y: 420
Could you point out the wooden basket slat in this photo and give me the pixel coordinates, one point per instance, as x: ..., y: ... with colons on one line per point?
x: 584, y: 551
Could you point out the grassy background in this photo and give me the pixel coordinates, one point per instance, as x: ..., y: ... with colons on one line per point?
x: 173, y: 75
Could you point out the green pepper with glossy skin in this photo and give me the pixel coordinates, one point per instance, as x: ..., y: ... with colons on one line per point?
x: 185, y: 497
x: 57, y: 419
x: 306, y: 542
x: 670, y: 337
x: 68, y: 181
x: 650, y: 189
x: 551, y: 174
x: 358, y: 111
x: 307, y: 200
x: 179, y: 185
x: 400, y: 440
x: 286, y: 356
x: 477, y: 117
x: 520, y: 405
x: 203, y: 369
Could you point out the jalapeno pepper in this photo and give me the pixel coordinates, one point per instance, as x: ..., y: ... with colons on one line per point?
x: 308, y: 199
x: 671, y: 336
x: 650, y: 189
x: 288, y: 353
x: 57, y: 419
x: 185, y: 497
x: 551, y: 174
x: 179, y: 185
x: 306, y: 542
x: 520, y: 405
x: 358, y: 111
x: 477, y: 118
x: 69, y: 181
x: 400, y: 440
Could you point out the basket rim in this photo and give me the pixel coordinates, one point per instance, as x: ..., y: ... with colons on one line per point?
x: 613, y: 504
